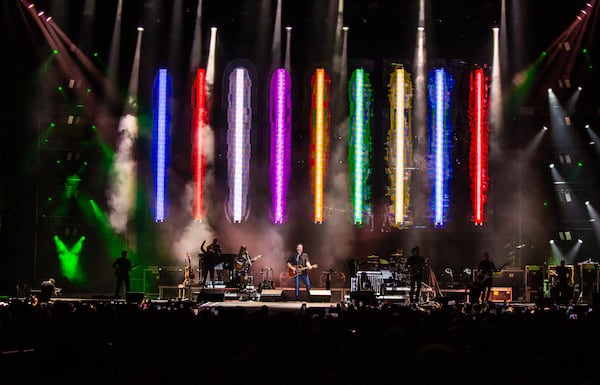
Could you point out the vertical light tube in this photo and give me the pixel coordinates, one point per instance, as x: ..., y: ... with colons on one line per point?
x: 439, y: 145
x: 281, y: 140
x: 319, y: 141
x: 399, y: 151
x: 162, y: 120
x: 199, y: 123
x: 478, y: 158
x: 359, y: 146
x: 238, y: 144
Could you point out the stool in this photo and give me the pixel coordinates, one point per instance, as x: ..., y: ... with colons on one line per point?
x: 182, y: 290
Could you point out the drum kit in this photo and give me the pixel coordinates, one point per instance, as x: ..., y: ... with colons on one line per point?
x: 394, y: 267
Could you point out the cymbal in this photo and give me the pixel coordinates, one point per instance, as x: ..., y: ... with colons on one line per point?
x: 384, y: 262
x: 396, y: 255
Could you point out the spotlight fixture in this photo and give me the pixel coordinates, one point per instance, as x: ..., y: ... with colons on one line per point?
x: 140, y: 28
x: 551, y: 165
x: 345, y: 28
x: 289, y: 28
x: 41, y: 13
x: 551, y: 241
x: 580, y: 240
x: 420, y: 28
x: 31, y: 5
x: 213, y: 29
x: 545, y: 128
x: 587, y: 203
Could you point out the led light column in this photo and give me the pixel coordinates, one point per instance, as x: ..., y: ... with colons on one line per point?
x: 160, y: 148
x: 319, y: 141
x: 281, y: 141
x: 359, y: 143
x: 439, y: 167
x: 478, y: 155
x: 399, y: 147
x: 239, y: 119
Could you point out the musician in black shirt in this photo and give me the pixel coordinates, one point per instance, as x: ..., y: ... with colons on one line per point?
x: 561, y: 290
x: 47, y: 291
x: 122, y: 267
x: 415, y: 264
x: 209, y: 260
x: 485, y: 274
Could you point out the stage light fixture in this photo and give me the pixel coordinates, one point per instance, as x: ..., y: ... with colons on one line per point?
x: 551, y: 165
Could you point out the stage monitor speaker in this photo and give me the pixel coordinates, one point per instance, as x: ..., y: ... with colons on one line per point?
x: 134, y: 297
x: 362, y: 298
x: 211, y: 295
x: 320, y: 296
x: 271, y: 295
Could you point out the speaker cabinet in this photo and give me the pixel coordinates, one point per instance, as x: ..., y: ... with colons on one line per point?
x: 134, y: 297
x: 271, y: 295
x: 320, y: 296
x: 588, y: 280
x: 211, y: 295
x: 534, y: 277
x: 363, y: 298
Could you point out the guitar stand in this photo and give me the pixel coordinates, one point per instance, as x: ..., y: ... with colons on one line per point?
x: 265, y: 282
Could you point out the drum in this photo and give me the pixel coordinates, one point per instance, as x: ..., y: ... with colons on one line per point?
x: 373, y: 262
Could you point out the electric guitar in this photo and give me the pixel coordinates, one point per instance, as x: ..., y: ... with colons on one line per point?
x: 241, y: 263
x: 189, y: 272
x: 481, y: 276
x: 296, y: 271
x: 120, y: 271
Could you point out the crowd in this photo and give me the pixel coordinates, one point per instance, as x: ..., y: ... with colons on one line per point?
x: 180, y: 342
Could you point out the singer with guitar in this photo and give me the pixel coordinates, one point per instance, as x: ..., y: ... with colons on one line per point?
x: 243, y: 264
x: 298, y: 265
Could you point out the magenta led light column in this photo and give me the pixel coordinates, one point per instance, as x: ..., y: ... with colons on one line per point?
x: 281, y: 139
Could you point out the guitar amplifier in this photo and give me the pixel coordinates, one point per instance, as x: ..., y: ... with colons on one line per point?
x: 513, y: 278
x: 534, y: 277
